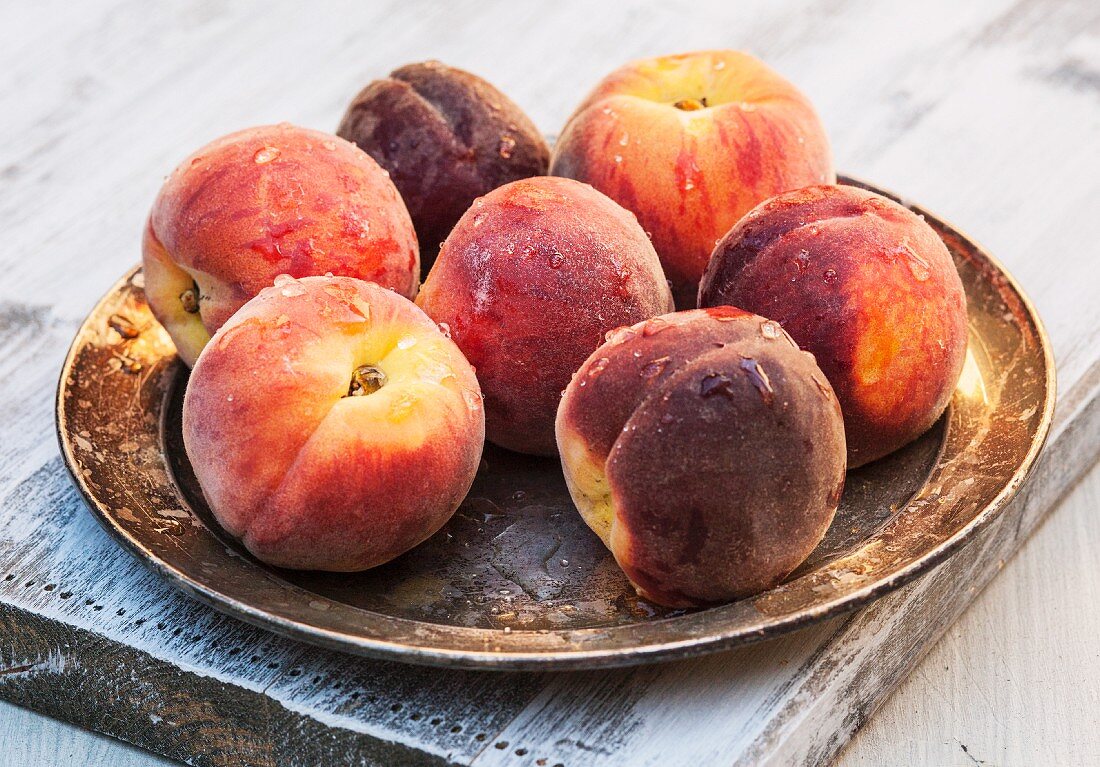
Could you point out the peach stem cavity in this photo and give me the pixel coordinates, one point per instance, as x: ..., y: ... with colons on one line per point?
x: 366, y: 379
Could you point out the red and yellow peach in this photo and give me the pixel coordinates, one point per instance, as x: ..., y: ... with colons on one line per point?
x: 263, y: 202
x: 331, y: 425
x: 690, y: 143
x: 528, y: 282
x: 866, y: 286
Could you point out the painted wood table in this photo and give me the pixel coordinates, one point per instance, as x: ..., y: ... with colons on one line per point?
x: 987, y: 113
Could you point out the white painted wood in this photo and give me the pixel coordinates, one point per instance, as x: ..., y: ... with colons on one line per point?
x: 32, y: 740
x: 985, y: 112
x: 1016, y: 681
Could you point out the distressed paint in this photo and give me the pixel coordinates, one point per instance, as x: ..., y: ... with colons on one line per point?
x: 979, y: 111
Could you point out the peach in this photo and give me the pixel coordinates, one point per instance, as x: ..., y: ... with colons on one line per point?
x: 263, y: 202
x: 331, y: 425
x: 529, y: 281
x: 866, y: 286
x: 447, y: 137
x: 706, y: 451
x: 690, y: 143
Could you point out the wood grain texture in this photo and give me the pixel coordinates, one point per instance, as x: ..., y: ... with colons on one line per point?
x: 1015, y: 681
x: 985, y: 112
x: 1024, y: 653
x: 31, y: 740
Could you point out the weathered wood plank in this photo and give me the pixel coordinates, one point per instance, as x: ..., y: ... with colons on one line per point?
x: 31, y: 739
x: 983, y: 112
x: 1014, y: 682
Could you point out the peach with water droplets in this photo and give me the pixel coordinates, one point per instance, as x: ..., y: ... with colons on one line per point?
x: 446, y: 137
x: 708, y: 456
x: 690, y: 143
x: 869, y: 288
x: 528, y: 282
x: 261, y: 202
x: 331, y: 425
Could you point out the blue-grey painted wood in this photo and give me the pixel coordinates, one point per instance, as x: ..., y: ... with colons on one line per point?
x: 1013, y: 682
x: 28, y: 739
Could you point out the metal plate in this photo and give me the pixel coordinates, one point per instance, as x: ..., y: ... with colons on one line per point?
x: 515, y: 580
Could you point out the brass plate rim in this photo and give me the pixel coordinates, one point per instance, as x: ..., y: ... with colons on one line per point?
x: 581, y: 648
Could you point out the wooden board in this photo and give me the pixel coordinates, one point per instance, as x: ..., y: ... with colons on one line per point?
x: 985, y: 113
x: 1014, y: 681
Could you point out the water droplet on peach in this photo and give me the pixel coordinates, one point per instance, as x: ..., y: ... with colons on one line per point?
x: 507, y: 146
x: 472, y: 400
x: 654, y: 368
x: 920, y: 268
x: 829, y: 276
x: 770, y: 329
x: 406, y: 342
x: 598, y: 367
x: 620, y: 334
x: 714, y: 384
x: 654, y: 326
x: 755, y: 371
x: 402, y: 407
x: 434, y: 371
x: 265, y: 155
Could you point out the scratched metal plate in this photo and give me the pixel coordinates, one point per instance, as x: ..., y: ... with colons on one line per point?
x: 515, y: 579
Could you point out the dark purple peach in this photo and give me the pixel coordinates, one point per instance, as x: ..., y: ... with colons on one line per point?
x: 446, y: 137
x: 706, y: 451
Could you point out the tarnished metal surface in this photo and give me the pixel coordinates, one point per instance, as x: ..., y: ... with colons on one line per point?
x: 516, y: 580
